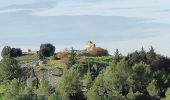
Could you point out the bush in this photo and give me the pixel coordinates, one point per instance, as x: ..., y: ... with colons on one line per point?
x: 11, y: 52
x: 9, y: 69
x: 103, y: 59
x: 15, y: 52
x: 46, y: 50
x: 62, y: 55
x: 98, y: 52
x: 6, y: 51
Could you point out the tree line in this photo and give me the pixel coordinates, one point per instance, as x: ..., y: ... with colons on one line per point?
x: 141, y: 75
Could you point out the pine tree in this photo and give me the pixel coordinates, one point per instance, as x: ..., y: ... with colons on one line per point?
x: 152, y: 88
x: 72, y: 58
x: 167, y: 94
x: 25, y: 93
x: 68, y: 88
x: 43, y: 89
x: 88, y: 80
x: 98, y: 90
x: 110, y: 84
x: 142, y: 55
x: 12, y: 92
x: 151, y: 55
x: 131, y: 95
x: 9, y: 69
x: 135, y: 57
x: 117, y: 55
x: 140, y: 76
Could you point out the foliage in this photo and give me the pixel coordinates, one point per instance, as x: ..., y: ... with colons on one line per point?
x: 141, y: 96
x: 53, y: 96
x: 51, y: 64
x: 7, y: 51
x: 46, y: 50
x: 3, y: 86
x: 153, y: 89
x: 97, y: 91
x: 79, y: 68
x: 88, y: 81
x: 71, y: 58
x: 43, y: 89
x: 62, y: 55
x: 103, y: 59
x: 117, y: 55
x: 140, y: 76
x: 26, y: 93
x: 16, y: 91
x: 167, y: 94
x: 131, y: 95
x: 16, y: 52
x: 151, y: 55
x: 9, y: 69
x: 68, y: 87
x: 111, y: 84
x: 27, y: 58
x: 143, y: 55
x: 98, y: 52
x: 12, y: 90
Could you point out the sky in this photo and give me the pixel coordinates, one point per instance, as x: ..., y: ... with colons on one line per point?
x: 124, y: 24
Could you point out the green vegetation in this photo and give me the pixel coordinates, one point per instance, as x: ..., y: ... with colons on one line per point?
x: 46, y: 50
x: 27, y: 58
x: 111, y: 83
x: 103, y: 59
x: 51, y: 64
x: 9, y: 69
x: 117, y: 55
x: 7, y: 51
x: 68, y: 87
x: 71, y: 59
x: 16, y: 91
x: 153, y: 88
x: 88, y: 81
x: 140, y: 75
x: 43, y: 90
x: 167, y: 94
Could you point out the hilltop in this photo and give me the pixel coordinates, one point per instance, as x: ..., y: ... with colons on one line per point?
x: 91, y: 73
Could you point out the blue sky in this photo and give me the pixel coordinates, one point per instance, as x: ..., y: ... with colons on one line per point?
x: 124, y: 24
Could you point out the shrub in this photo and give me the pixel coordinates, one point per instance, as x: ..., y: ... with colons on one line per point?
x: 11, y: 52
x: 99, y: 52
x: 9, y: 69
x: 46, y: 50
x: 62, y: 55
x: 15, y: 52
x: 6, y: 51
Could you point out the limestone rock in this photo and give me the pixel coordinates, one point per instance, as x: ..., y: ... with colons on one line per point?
x: 89, y: 46
x: 32, y: 82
